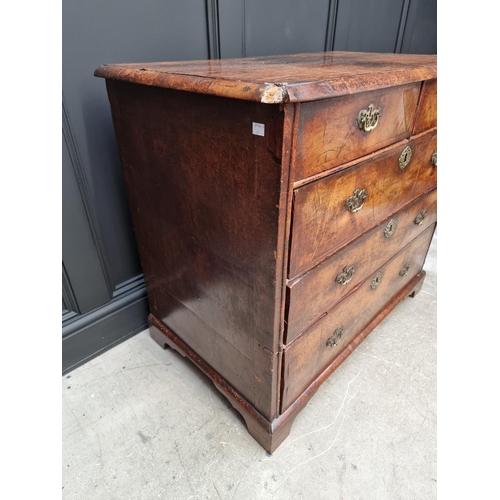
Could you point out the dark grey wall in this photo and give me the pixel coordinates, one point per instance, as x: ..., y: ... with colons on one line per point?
x: 103, y: 292
x: 264, y: 27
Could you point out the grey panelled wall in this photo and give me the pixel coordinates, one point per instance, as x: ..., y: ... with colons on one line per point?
x: 262, y: 27
x: 101, y: 270
x: 104, y: 299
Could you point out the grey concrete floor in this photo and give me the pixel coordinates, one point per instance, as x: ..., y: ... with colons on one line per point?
x: 143, y: 423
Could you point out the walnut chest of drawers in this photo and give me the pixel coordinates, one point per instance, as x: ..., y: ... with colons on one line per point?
x: 282, y: 207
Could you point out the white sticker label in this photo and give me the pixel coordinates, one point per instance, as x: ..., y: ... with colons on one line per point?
x: 258, y: 129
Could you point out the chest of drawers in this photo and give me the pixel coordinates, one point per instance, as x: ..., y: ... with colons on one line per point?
x: 282, y: 207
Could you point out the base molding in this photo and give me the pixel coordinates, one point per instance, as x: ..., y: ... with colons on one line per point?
x: 100, y: 330
x: 271, y: 434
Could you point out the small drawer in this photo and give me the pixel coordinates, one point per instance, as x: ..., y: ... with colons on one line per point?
x: 333, y: 211
x: 427, y: 108
x: 335, y: 131
x: 311, y: 353
x: 311, y: 295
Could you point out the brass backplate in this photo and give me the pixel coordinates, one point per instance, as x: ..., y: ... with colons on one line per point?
x: 404, y: 270
x: 390, y: 228
x: 335, y: 338
x: 355, y: 202
x: 376, y: 281
x: 368, y: 118
x: 346, y: 275
x: 419, y: 219
x: 434, y: 159
x: 405, y: 158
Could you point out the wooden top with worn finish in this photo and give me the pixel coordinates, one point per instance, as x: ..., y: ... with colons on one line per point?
x: 277, y: 79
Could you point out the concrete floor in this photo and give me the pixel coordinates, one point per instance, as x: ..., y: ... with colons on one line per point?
x: 143, y: 423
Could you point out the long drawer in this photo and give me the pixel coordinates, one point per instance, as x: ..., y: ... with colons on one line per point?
x: 334, y: 131
x: 332, y: 212
x: 311, y: 353
x: 312, y: 294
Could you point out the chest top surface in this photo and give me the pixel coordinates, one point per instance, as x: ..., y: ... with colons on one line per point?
x: 277, y: 79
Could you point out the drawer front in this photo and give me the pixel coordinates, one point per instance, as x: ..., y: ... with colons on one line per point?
x: 310, y: 354
x: 320, y: 289
x: 330, y: 134
x: 332, y: 212
x: 427, y: 108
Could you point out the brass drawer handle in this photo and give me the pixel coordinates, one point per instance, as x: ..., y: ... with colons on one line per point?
x: 356, y: 201
x: 434, y: 159
x: 345, y: 276
x: 390, y: 228
x: 335, y: 338
x: 404, y: 270
x: 419, y: 219
x: 376, y: 281
x: 368, y: 118
x: 405, y: 157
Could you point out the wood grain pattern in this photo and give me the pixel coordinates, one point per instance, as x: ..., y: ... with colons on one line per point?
x: 289, y: 125
x: 329, y: 134
x: 276, y: 79
x: 271, y: 434
x: 268, y: 434
x: 410, y: 290
x: 223, y: 216
x: 322, y: 224
x: 312, y: 294
x: 308, y: 354
x: 427, y: 108
x: 207, y: 203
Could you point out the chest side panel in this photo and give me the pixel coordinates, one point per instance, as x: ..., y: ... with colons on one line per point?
x: 204, y: 187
